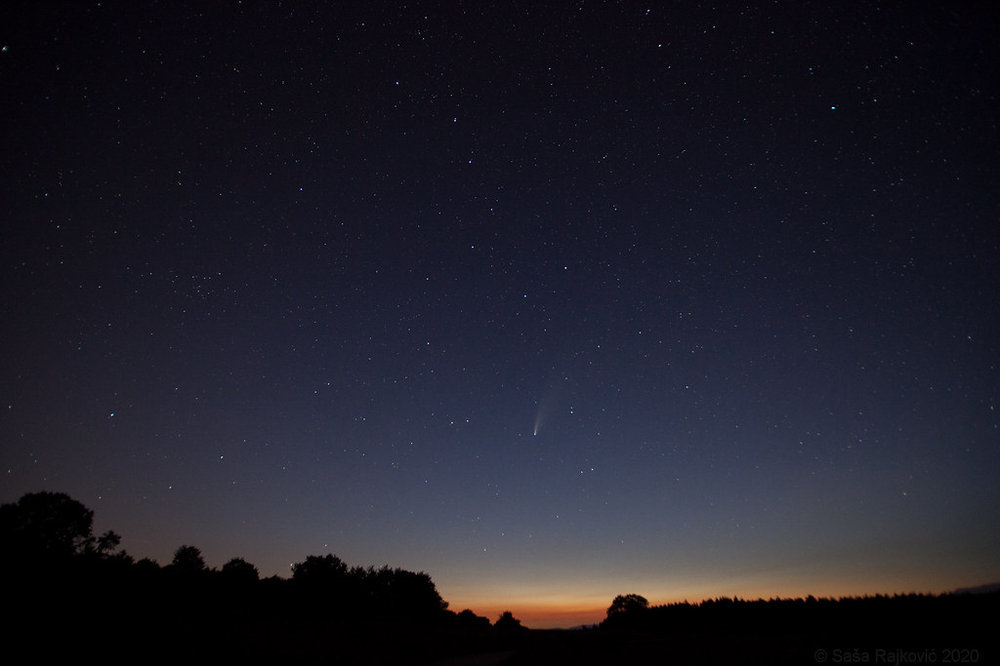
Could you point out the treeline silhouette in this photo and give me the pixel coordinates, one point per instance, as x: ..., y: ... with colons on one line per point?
x: 70, y: 593
x: 905, y: 628
x: 884, y: 617
x: 66, y: 587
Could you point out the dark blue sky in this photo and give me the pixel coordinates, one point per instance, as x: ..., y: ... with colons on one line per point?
x: 554, y: 301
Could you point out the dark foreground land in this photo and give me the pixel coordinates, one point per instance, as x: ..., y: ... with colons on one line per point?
x: 910, y: 629
x: 69, y: 596
x: 897, y: 630
x: 183, y: 626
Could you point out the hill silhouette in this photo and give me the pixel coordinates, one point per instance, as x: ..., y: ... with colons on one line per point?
x: 70, y: 593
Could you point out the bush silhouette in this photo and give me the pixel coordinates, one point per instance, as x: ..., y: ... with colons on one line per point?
x: 469, y: 619
x: 507, y: 623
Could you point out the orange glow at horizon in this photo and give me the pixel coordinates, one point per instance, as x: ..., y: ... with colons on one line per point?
x: 553, y: 614
x: 544, y: 597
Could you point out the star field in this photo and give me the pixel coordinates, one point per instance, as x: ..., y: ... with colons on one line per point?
x: 553, y: 302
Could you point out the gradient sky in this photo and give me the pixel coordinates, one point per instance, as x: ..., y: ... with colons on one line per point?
x: 553, y: 301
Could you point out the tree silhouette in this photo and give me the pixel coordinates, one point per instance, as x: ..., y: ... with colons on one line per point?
x: 417, y: 593
x: 326, y: 585
x: 627, y: 604
x: 47, y: 526
x: 105, y: 544
x: 238, y: 569
x: 320, y: 570
x: 146, y: 567
x: 188, y: 560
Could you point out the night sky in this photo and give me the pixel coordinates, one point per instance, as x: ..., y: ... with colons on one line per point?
x: 553, y: 301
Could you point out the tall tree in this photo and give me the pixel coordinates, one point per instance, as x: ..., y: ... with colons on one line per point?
x: 47, y: 525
